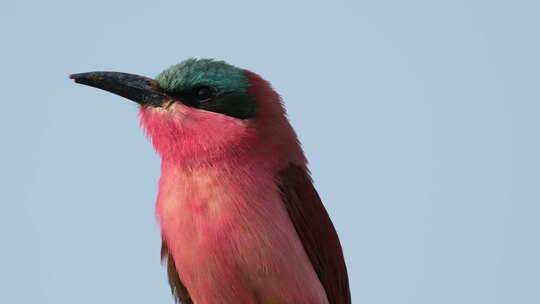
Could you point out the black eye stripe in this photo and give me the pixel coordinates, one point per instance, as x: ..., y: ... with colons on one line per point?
x: 203, y: 93
x: 204, y: 97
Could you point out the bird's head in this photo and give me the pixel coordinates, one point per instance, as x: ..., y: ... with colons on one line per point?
x: 203, y: 109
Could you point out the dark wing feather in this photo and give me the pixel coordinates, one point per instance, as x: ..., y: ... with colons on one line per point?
x: 177, y: 287
x: 316, y: 232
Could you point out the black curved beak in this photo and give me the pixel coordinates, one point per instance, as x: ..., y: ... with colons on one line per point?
x: 143, y: 90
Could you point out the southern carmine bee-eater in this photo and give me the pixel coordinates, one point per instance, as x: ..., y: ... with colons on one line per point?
x: 240, y: 219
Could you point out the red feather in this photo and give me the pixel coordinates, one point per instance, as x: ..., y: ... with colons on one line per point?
x: 316, y: 232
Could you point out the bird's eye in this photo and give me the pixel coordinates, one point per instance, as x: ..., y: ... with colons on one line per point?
x: 203, y: 93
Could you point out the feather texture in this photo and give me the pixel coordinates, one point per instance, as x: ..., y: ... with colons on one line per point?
x: 316, y: 231
x: 240, y: 219
x: 229, y: 208
x: 178, y: 289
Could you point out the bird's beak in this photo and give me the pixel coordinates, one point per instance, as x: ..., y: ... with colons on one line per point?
x: 143, y: 90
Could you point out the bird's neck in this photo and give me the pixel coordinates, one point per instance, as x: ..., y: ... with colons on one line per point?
x: 208, y: 194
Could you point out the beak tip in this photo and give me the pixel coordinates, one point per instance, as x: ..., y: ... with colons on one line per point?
x: 75, y: 77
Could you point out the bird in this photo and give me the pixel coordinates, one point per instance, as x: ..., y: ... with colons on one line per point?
x: 240, y: 219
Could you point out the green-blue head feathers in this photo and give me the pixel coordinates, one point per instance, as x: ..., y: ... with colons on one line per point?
x: 204, y: 72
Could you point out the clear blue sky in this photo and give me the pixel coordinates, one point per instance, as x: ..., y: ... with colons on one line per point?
x: 420, y: 119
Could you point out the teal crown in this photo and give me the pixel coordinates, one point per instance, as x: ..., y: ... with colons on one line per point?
x: 208, y: 72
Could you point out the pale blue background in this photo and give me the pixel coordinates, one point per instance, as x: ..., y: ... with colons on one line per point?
x: 420, y: 119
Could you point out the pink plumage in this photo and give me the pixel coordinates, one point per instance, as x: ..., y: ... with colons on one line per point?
x: 241, y: 221
x: 219, y: 205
